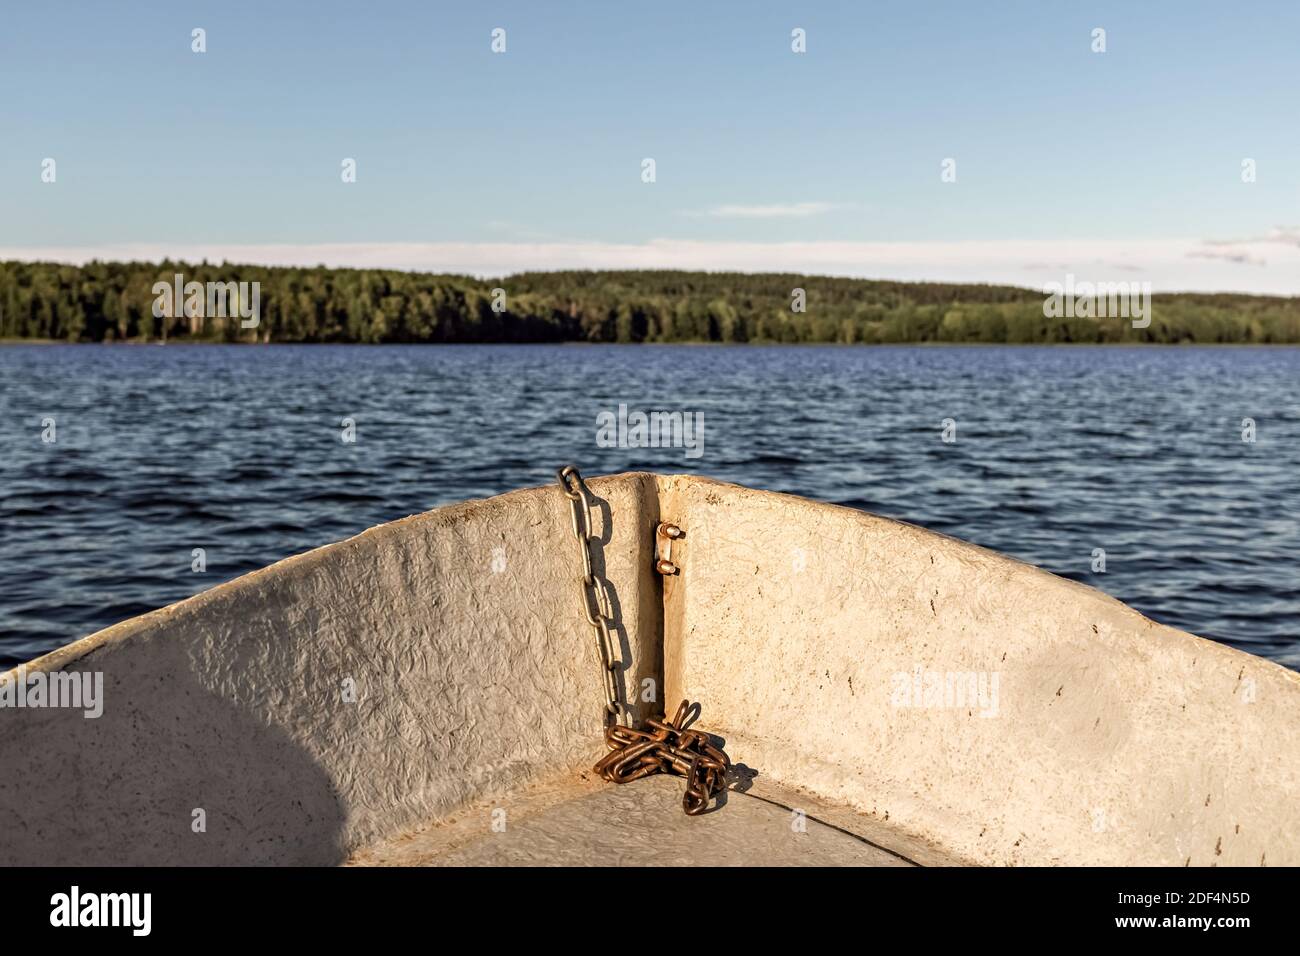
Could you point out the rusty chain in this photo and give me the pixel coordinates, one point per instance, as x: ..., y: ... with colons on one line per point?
x: 669, y: 746
x: 596, y: 605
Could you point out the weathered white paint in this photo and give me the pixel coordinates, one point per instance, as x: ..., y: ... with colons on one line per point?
x: 1115, y: 740
x: 469, y: 682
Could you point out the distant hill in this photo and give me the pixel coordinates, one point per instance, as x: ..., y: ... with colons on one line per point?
x: 113, y: 301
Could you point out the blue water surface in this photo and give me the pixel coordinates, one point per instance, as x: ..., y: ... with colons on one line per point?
x: 1058, y: 452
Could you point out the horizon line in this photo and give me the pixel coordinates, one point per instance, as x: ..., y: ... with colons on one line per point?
x: 1262, y: 266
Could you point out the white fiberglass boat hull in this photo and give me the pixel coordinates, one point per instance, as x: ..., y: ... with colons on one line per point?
x: 432, y: 681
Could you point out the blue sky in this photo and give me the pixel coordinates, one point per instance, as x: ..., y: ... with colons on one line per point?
x: 833, y: 156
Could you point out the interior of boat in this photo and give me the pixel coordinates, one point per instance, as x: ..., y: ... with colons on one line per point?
x: 430, y: 692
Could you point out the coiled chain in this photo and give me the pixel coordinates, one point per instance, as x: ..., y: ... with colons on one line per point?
x: 668, y: 747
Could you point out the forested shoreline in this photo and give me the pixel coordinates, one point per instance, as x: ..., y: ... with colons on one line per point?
x: 115, y: 301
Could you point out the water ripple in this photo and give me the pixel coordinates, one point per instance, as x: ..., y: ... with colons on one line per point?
x: 1059, y: 452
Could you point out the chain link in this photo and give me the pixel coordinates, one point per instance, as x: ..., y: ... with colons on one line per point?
x: 596, y: 605
x: 669, y: 746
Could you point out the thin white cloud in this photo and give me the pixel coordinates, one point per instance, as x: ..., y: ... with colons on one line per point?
x: 1277, y: 236
x: 1281, y: 242
x: 789, y: 210
x: 1170, y: 265
x: 1227, y: 255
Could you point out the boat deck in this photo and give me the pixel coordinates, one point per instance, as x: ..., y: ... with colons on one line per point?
x: 588, y: 822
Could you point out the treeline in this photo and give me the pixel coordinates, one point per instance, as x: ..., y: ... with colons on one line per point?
x: 115, y: 301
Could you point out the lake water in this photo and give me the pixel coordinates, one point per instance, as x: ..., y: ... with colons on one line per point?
x: 1058, y: 452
